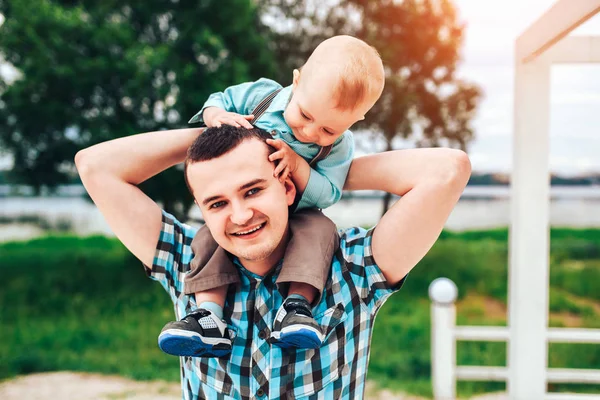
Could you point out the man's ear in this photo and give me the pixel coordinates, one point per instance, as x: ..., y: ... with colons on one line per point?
x: 295, y: 78
x: 290, y: 191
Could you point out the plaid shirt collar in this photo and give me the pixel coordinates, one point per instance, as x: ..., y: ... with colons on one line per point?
x: 247, y: 276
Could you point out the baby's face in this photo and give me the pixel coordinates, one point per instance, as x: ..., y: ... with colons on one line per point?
x: 312, y: 112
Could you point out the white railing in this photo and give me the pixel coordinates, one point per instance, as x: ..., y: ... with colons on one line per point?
x: 445, y: 334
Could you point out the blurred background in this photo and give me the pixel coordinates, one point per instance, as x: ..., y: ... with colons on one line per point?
x: 75, y: 73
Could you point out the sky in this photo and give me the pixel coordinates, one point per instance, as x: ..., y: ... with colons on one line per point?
x: 492, y: 27
x: 491, y: 30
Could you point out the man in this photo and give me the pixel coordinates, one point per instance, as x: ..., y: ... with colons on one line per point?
x: 246, y: 210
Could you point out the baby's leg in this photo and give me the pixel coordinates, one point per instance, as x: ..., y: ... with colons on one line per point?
x: 305, y: 290
x: 212, y: 300
x: 211, y: 267
x: 306, y: 267
x: 308, y: 256
x: 203, y: 333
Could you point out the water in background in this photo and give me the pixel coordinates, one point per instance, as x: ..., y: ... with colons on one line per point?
x: 479, y: 208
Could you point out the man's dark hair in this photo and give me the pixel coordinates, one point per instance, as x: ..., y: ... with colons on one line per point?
x: 214, y: 142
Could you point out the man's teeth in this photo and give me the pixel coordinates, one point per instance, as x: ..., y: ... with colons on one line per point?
x: 249, y: 231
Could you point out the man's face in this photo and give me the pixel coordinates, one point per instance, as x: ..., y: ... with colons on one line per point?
x: 244, y: 206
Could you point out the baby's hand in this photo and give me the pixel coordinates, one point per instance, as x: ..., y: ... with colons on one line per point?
x: 288, y: 159
x: 215, y: 117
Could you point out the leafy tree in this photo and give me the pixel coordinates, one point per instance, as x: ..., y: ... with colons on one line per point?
x: 419, y: 42
x: 92, y: 70
x: 96, y: 70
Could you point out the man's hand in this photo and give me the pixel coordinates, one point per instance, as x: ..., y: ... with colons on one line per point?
x: 288, y: 159
x: 215, y: 117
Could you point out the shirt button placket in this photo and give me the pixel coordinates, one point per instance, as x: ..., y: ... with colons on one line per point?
x: 257, y: 316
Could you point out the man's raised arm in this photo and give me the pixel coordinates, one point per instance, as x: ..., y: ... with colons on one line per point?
x: 111, y: 171
x: 430, y: 182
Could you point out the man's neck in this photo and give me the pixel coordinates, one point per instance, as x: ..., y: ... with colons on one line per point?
x: 260, y: 268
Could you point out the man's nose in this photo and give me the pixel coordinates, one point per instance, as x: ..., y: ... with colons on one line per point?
x: 241, y: 213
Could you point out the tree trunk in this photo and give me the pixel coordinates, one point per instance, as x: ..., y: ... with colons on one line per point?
x: 387, y: 197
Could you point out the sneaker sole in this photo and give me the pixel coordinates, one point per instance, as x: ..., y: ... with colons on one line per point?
x: 186, y: 344
x: 300, y: 337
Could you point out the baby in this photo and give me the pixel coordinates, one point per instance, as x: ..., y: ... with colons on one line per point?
x: 309, y: 122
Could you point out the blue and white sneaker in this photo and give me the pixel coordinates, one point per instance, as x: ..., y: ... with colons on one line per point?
x: 295, y: 326
x: 198, y: 334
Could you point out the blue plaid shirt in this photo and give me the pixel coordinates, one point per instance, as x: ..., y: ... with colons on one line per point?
x: 256, y: 369
x: 327, y: 178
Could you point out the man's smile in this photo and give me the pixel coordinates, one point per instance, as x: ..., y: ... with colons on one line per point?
x: 250, y: 233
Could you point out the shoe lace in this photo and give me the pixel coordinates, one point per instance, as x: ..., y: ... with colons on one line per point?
x: 300, y: 307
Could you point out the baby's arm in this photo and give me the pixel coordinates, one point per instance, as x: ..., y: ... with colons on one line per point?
x: 326, y: 179
x: 289, y: 164
x: 234, y: 105
x: 321, y: 186
x: 214, y: 116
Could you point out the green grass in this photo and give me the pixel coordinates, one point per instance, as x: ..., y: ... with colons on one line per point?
x: 80, y: 304
x: 85, y: 304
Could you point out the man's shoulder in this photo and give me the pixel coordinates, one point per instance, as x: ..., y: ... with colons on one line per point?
x: 355, y: 236
x: 355, y: 268
x: 354, y: 247
x: 169, y: 219
x: 175, y: 232
x: 173, y: 254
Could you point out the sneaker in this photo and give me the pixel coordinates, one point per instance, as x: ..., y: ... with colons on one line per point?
x: 295, y: 326
x: 198, y: 334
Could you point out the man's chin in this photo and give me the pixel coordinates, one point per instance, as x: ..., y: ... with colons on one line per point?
x: 258, y: 253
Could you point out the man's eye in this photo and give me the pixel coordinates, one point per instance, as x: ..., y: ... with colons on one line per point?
x: 217, y: 204
x: 252, y: 191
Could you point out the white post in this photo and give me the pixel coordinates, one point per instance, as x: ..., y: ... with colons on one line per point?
x: 529, y: 236
x: 443, y: 292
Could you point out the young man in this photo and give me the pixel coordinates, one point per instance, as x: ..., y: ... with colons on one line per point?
x: 367, y: 268
x: 309, y: 121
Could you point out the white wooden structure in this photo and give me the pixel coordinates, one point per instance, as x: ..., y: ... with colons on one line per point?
x: 541, y: 45
x: 445, y: 334
x: 544, y: 43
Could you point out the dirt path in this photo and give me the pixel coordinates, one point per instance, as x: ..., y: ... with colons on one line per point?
x: 84, y: 386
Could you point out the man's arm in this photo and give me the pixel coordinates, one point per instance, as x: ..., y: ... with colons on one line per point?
x: 430, y: 182
x: 111, y: 171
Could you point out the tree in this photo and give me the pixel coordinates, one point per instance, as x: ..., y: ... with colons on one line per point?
x: 419, y: 42
x: 92, y: 71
